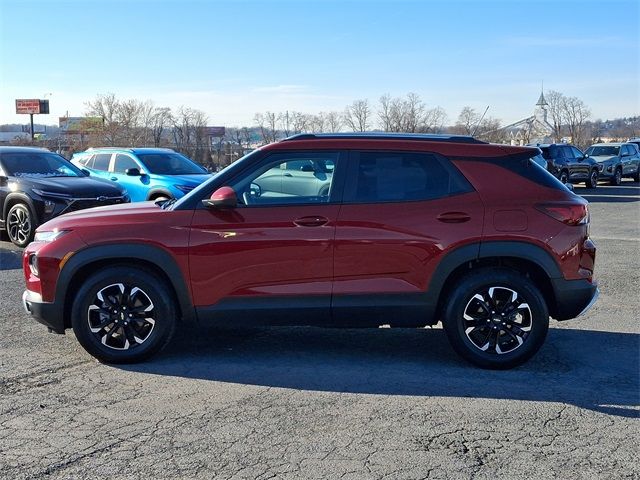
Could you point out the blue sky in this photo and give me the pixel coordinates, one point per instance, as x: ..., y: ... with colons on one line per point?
x: 233, y: 59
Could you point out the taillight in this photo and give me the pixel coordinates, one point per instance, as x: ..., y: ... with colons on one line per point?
x: 566, y: 212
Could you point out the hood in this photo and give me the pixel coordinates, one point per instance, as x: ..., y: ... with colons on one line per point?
x: 603, y: 158
x: 102, y: 215
x: 193, y: 180
x: 76, y: 187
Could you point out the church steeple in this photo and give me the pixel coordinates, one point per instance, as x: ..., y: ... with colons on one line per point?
x: 541, y: 101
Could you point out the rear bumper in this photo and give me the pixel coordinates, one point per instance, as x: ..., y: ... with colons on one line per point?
x: 48, y: 314
x: 573, y: 297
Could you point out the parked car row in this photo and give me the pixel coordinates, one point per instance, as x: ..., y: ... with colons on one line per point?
x: 602, y: 161
x: 37, y: 185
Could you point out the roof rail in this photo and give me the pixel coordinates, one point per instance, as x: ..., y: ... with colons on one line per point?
x: 423, y: 137
x: 128, y: 149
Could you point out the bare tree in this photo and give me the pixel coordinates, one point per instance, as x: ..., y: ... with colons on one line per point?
x: 107, y: 106
x: 384, y: 112
x: 433, y: 120
x: 467, y: 121
x: 556, y: 105
x: 188, y: 132
x: 357, y: 116
x: 576, y: 113
x: 162, y: 119
x: 285, y: 123
x: 333, y: 122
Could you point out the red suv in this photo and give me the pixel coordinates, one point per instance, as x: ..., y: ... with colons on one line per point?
x: 341, y: 230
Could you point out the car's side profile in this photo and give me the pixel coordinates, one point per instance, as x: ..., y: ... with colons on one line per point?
x: 616, y: 161
x: 146, y: 173
x: 37, y: 185
x: 412, y: 230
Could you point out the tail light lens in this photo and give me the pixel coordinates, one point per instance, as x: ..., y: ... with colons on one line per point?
x: 566, y: 212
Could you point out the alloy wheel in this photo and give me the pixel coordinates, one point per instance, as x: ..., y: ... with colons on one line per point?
x: 497, y: 320
x: 19, y: 225
x: 121, y: 316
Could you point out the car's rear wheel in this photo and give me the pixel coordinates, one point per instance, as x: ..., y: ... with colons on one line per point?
x: 636, y: 177
x: 496, y: 318
x: 592, y: 181
x: 617, y: 177
x: 123, y: 315
x: 20, y: 225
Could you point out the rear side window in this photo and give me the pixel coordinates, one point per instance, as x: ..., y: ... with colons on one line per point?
x: 525, y: 165
x: 401, y: 176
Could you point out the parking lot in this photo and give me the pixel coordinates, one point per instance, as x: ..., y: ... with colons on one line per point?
x: 315, y: 403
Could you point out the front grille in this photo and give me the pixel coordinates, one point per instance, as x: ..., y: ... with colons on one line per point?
x: 83, y: 203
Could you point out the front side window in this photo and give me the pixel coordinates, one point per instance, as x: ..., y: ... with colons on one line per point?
x: 123, y: 162
x: 276, y: 183
x: 38, y: 164
x: 401, y: 176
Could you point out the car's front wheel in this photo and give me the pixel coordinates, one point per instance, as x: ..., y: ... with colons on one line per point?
x: 20, y: 225
x: 592, y: 181
x: 496, y: 318
x: 123, y: 315
x: 617, y: 177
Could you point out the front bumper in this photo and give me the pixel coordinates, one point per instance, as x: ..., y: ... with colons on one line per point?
x: 48, y: 314
x: 573, y: 297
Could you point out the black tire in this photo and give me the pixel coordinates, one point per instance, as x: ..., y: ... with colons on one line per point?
x: 617, y: 177
x: 564, y: 176
x: 494, y: 343
x: 20, y: 225
x: 592, y: 181
x: 131, y: 313
x: 636, y: 177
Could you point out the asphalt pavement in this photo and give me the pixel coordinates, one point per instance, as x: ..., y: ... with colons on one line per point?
x: 320, y: 403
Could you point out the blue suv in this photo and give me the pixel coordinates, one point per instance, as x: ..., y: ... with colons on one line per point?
x: 146, y: 173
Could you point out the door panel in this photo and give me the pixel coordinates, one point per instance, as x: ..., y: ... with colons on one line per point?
x: 256, y: 251
x: 394, y: 247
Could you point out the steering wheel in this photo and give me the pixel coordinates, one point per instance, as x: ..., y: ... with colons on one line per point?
x: 254, y: 191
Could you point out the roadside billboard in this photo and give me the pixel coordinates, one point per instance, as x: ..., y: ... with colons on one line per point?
x: 76, y: 125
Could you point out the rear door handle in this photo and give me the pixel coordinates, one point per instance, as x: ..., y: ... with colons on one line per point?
x: 115, y: 179
x: 287, y: 175
x: 311, y: 221
x: 454, y: 217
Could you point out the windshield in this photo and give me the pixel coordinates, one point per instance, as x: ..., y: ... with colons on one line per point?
x: 603, y: 150
x: 170, y: 164
x: 38, y: 165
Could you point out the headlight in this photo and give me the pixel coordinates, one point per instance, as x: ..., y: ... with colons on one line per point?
x: 49, y: 236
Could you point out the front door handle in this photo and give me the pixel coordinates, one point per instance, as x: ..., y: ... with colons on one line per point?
x: 115, y: 179
x: 454, y: 217
x: 311, y: 221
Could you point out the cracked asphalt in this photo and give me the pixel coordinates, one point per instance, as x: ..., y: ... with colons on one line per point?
x: 354, y: 404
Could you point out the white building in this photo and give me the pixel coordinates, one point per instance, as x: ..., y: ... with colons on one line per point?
x: 533, y: 129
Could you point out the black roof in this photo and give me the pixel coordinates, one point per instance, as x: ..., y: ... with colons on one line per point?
x: 425, y: 137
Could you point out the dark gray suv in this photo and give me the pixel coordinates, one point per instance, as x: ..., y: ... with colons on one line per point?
x: 569, y: 164
x: 616, y: 160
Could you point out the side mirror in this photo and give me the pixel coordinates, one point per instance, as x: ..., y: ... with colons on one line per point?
x: 132, y: 172
x: 306, y: 168
x: 224, y: 197
x: 569, y: 186
x: 3, y: 181
x: 86, y: 172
